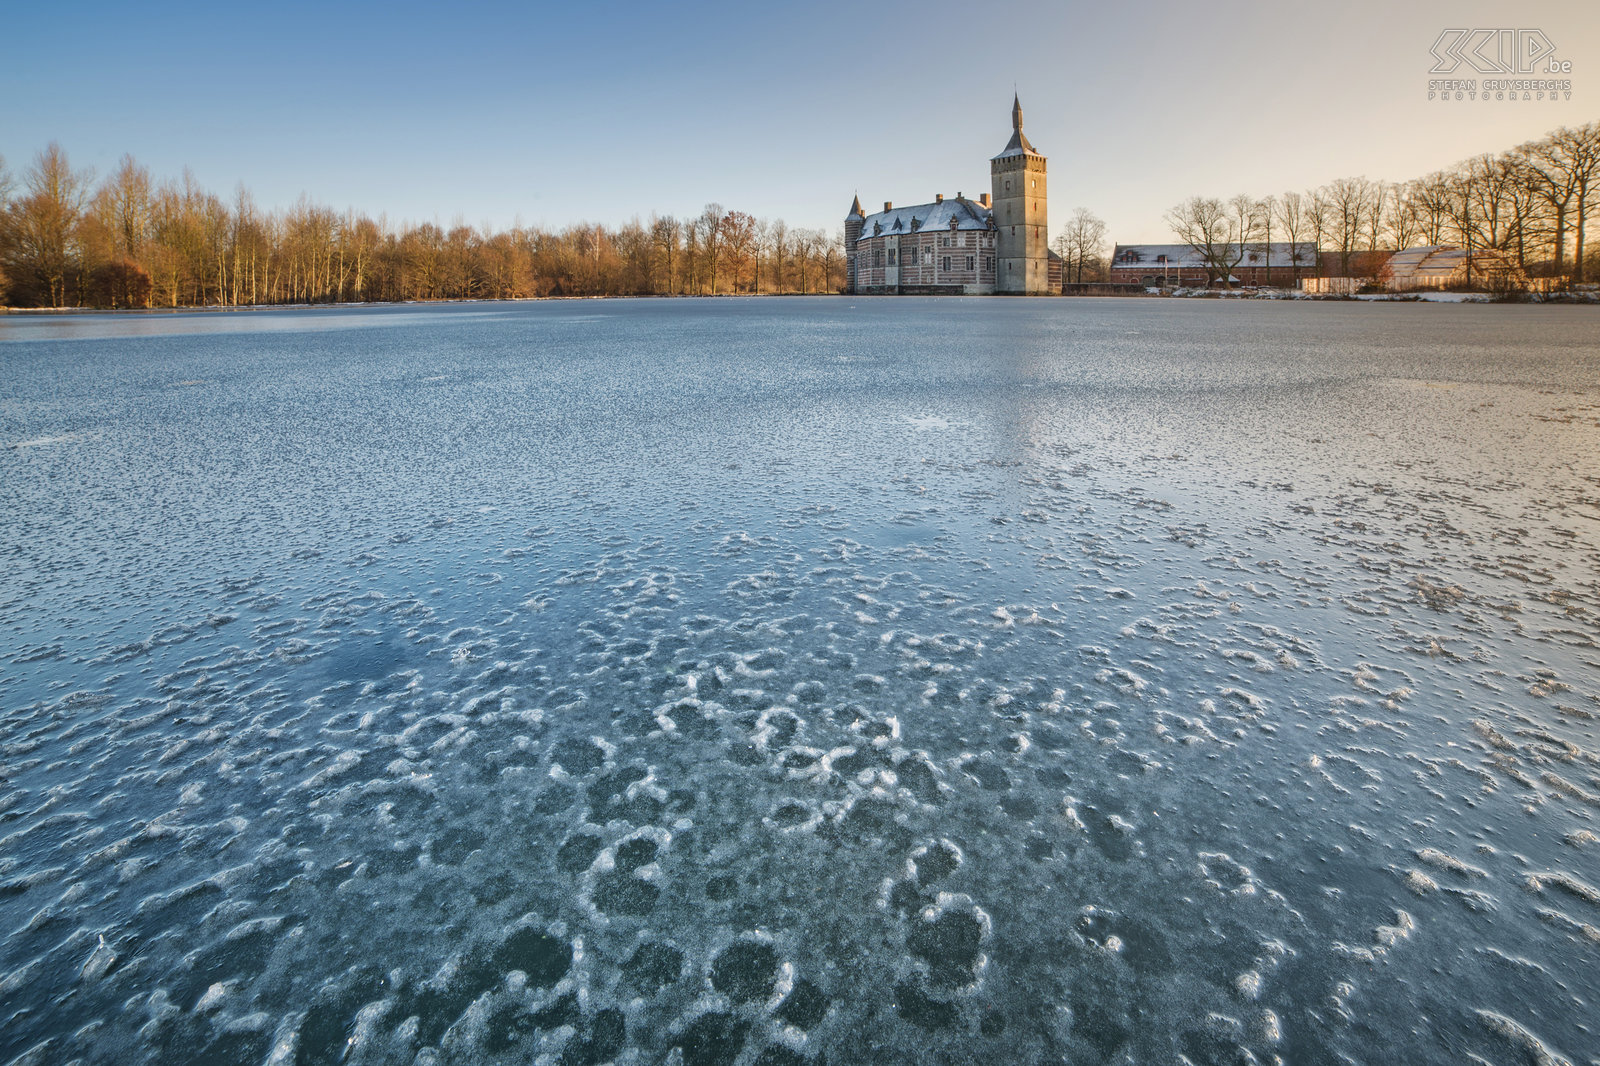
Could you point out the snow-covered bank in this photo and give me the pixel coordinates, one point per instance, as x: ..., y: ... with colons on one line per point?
x: 1583, y: 297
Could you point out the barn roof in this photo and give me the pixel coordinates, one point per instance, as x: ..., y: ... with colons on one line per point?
x: 1277, y: 254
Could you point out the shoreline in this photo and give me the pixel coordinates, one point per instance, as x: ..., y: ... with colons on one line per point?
x: 1285, y: 295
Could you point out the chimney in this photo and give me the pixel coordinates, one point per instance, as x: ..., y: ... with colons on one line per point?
x: 888, y: 205
x: 938, y: 197
x: 983, y: 198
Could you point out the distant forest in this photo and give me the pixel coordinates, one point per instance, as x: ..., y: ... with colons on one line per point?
x: 132, y: 241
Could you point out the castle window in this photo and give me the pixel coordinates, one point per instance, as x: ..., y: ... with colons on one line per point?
x: 891, y: 257
x: 947, y: 262
x: 877, y: 257
x: 969, y: 262
x: 988, y: 263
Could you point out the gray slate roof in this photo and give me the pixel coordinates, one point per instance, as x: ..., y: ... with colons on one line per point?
x: 1018, y: 145
x: 969, y: 215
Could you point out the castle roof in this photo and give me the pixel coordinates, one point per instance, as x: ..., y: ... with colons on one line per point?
x: 1018, y: 145
x: 968, y: 215
x: 855, y: 209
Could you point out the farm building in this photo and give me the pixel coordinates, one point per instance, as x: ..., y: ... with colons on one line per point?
x: 1181, y: 265
x: 1446, y: 266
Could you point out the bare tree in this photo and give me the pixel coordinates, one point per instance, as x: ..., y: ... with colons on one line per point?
x: 1377, y: 213
x: 1555, y: 182
x: 1404, y: 220
x: 5, y: 220
x: 1218, y: 232
x: 1266, y: 210
x: 738, y: 234
x: 1319, y: 220
x: 43, y: 241
x: 1349, y: 201
x: 1578, y: 152
x: 1528, y: 231
x: 128, y: 193
x: 665, y: 233
x: 1082, y: 243
x: 831, y: 251
x: 1433, y: 196
x: 1290, y: 212
x: 709, y: 229
x: 805, y: 243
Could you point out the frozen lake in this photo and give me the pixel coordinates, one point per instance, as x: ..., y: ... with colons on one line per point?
x: 790, y: 681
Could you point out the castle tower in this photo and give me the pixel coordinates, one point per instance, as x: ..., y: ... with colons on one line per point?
x: 852, y: 233
x: 1022, y: 224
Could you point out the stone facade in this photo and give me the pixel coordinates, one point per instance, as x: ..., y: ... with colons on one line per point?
x: 1021, y: 217
x: 946, y: 247
x: 961, y: 246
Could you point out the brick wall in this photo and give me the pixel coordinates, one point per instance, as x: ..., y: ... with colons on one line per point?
x: 921, y: 258
x: 1285, y: 277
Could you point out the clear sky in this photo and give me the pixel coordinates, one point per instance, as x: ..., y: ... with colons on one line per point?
x: 559, y: 113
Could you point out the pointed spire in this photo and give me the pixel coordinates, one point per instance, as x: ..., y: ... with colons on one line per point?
x: 855, y: 209
x: 1018, y: 145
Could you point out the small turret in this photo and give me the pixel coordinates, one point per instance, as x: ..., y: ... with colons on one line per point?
x: 852, y: 233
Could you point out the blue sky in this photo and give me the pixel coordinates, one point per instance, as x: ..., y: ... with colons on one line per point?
x: 553, y: 114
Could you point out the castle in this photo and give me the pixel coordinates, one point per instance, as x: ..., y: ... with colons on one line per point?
x: 995, y: 244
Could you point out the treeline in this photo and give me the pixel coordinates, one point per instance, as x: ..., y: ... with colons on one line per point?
x: 1533, y: 204
x: 131, y: 241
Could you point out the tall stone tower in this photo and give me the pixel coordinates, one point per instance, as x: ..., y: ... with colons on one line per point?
x: 1022, y: 224
x: 852, y: 233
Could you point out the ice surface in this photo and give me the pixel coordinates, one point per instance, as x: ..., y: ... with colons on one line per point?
x: 784, y: 681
